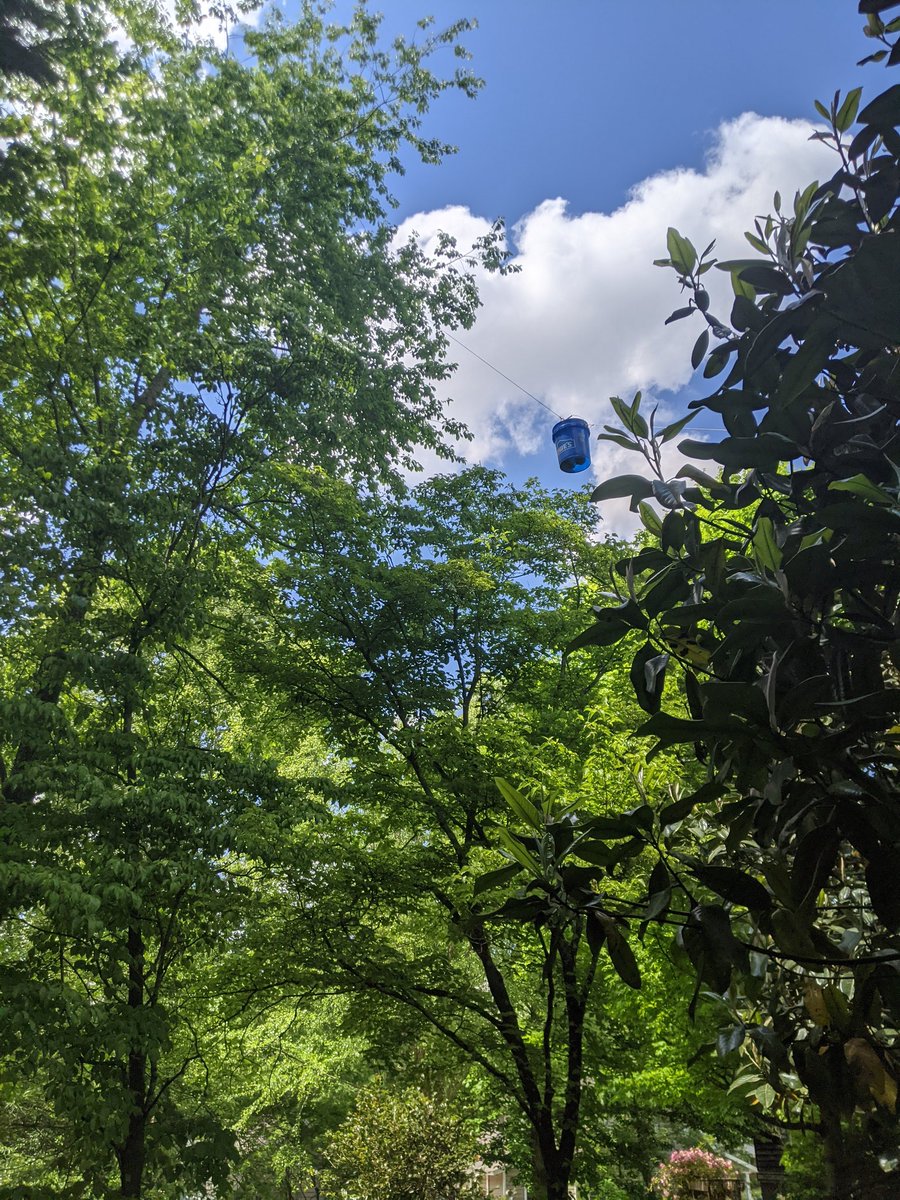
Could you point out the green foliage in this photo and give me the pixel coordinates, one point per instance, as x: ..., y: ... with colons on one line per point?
x: 402, y: 1147
x: 767, y: 598
x: 200, y: 299
x: 20, y: 54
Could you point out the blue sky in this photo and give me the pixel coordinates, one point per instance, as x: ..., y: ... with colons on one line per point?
x: 600, y: 124
x: 584, y: 98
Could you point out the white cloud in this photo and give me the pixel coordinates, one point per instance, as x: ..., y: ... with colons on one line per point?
x: 584, y: 317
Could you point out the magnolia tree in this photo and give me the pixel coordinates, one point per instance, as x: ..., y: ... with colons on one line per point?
x: 761, y: 613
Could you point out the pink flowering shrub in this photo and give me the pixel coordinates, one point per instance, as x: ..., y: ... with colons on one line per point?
x: 694, y: 1173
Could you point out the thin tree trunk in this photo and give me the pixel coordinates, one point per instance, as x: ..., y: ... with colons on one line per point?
x: 133, y: 1150
x: 551, y: 1169
x: 838, y: 1162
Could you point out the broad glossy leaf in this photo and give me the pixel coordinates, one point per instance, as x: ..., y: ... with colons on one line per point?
x: 634, y: 486
x: 492, y: 879
x: 520, y: 805
x: 736, y: 886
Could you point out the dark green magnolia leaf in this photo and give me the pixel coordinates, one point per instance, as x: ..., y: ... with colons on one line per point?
x: 612, y: 827
x: 765, y: 451
x: 682, y: 254
x: 516, y: 850
x: 650, y: 519
x: 657, y: 905
x: 765, y: 545
x: 518, y: 908
x: 700, y: 347
x: 492, y: 879
x: 577, y: 878
x: 884, y: 111
x: 765, y: 279
x: 736, y: 886
x: 787, y: 323
x: 807, y: 364
x: 634, y: 486
x: 597, y: 853
x: 770, y: 1044
x: 520, y: 805
x: 670, y: 589
x: 711, y: 945
x: 595, y: 930
x: 601, y: 633
x: 853, y: 518
x: 859, y: 485
x: 627, y: 850
x: 675, y: 428
x: 677, y: 811
x: 729, y: 1039
x: 883, y: 882
x: 718, y: 361
x: 862, y: 294
x: 846, y: 114
x: 745, y: 314
x: 867, y: 135
x: 813, y: 862
x: 791, y: 934
x: 659, y: 892
x: 610, y: 625
x: 621, y: 955
x: 678, y: 315
x: 647, y: 675
x: 619, y: 439
x: 659, y: 879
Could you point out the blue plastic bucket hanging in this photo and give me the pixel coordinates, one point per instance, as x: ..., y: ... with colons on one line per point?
x: 572, y: 439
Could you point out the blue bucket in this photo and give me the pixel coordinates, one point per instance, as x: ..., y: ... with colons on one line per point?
x: 572, y: 439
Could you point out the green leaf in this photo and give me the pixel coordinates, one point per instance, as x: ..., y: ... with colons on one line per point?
x: 676, y: 812
x: 882, y: 876
x: 730, y: 1039
x: 513, y: 846
x: 736, y: 886
x: 862, y: 291
x: 648, y: 670
x: 676, y: 427
x: 612, y: 827
x: 595, y: 931
x: 520, y: 805
x: 846, y: 114
x: 492, y: 879
x: 621, y: 955
x: 860, y: 485
x: 884, y: 110
x: 678, y: 315
x: 634, y: 486
x: 765, y: 545
x: 700, y: 347
x: 681, y: 252
x: 814, y: 859
x: 650, y: 519
x: 619, y: 439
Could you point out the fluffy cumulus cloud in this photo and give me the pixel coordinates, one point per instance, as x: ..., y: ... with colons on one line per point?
x: 584, y: 316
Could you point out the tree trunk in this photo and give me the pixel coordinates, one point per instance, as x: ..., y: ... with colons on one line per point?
x: 551, y: 1170
x: 132, y: 1152
x: 837, y: 1160
x: 131, y: 1156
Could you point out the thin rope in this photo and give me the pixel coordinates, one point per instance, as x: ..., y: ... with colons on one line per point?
x: 502, y: 375
x: 538, y: 400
